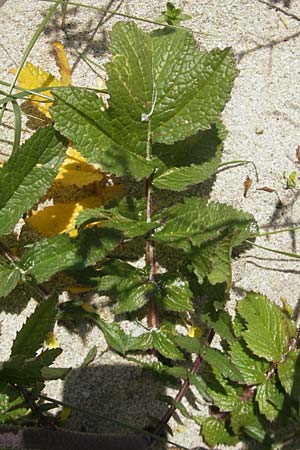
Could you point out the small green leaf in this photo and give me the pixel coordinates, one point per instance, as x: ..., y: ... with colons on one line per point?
x: 5, y: 404
x: 28, y: 174
x: 175, y: 295
x: 9, y: 277
x: 243, y: 418
x: 61, y: 252
x: 54, y: 373
x: 221, y: 361
x: 270, y: 400
x: 115, y: 337
x: 91, y: 355
x: 190, y: 344
x: 134, y: 297
x: 32, y: 335
x: 289, y: 374
x: 221, y: 322
x: 252, y: 368
x: 143, y: 342
x: 181, y: 408
x: 214, y: 432
x: 48, y: 356
x: 129, y: 217
x: 165, y: 345
x: 200, y: 385
x: 267, y: 333
x: 196, y: 221
x: 190, y: 162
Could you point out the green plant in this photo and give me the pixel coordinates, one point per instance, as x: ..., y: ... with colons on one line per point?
x: 162, y: 135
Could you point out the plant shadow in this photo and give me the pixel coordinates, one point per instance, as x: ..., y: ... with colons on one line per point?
x: 122, y: 398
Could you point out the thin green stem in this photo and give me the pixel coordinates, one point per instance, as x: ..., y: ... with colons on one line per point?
x: 283, y: 230
x: 26, y: 53
x: 241, y: 162
x: 18, y: 126
x: 280, y: 252
x: 129, y: 16
x: 108, y: 419
x: 64, y: 7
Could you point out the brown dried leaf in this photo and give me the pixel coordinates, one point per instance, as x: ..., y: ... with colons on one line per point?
x: 247, y: 185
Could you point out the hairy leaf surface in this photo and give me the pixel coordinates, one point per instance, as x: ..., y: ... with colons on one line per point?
x: 267, y: 332
x: 162, y: 88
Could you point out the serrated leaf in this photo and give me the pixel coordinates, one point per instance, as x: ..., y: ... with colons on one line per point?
x: 134, y: 297
x: 143, y: 83
x: 28, y: 174
x: 175, y: 295
x: 19, y: 370
x: 165, y: 345
x: 190, y: 344
x: 196, y: 221
x: 267, y: 333
x: 61, y: 252
x: 221, y: 322
x: 33, y: 333
x: 48, y: 356
x: 200, y: 385
x: 289, y: 374
x: 115, y: 337
x: 270, y: 400
x: 221, y: 361
x: 9, y: 277
x: 252, y: 369
x: 243, y: 417
x: 190, y: 162
x: 214, y: 432
x: 5, y: 404
x: 129, y: 217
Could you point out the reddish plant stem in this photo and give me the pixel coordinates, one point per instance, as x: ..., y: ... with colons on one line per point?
x: 184, y: 388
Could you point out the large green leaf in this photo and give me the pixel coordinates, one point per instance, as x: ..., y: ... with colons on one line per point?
x: 214, y: 432
x: 134, y: 296
x: 267, y: 333
x: 161, y: 86
x: 31, y: 336
x: 189, y: 162
x: 28, y: 174
x: 196, y: 221
x: 61, y: 252
x: 289, y: 374
x: 9, y: 277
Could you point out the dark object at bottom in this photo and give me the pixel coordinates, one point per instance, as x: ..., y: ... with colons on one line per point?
x: 41, y: 439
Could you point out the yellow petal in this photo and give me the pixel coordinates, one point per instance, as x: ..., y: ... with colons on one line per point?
x: 62, y: 63
x: 195, y: 332
x: 51, y: 340
x: 60, y: 218
x: 32, y: 77
x: 75, y: 170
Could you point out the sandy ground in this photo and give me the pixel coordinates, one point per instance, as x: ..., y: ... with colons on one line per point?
x: 262, y: 119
